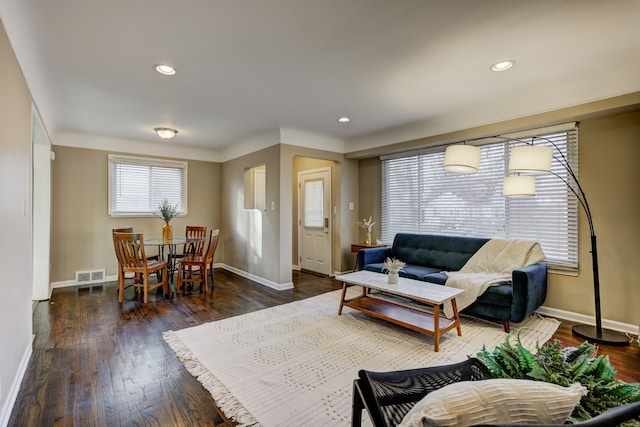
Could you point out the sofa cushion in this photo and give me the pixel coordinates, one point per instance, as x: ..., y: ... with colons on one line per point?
x: 443, y: 253
x: 375, y: 267
x: 501, y: 295
x: 416, y: 272
x: 438, y: 278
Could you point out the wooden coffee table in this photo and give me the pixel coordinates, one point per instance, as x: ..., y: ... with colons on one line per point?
x: 430, y: 296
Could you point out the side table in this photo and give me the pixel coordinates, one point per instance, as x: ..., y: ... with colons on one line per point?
x: 355, y: 248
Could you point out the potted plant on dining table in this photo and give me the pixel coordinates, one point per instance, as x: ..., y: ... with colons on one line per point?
x: 167, y: 213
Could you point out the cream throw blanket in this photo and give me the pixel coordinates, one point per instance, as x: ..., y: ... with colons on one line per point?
x: 492, y: 264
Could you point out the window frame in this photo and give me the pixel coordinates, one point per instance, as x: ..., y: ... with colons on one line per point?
x: 564, y: 260
x: 182, y: 166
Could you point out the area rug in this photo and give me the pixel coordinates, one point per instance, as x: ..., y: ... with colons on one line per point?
x: 294, y: 364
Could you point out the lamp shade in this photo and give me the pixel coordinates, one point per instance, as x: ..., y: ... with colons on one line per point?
x: 530, y: 159
x: 519, y: 186
x: 462, y: 158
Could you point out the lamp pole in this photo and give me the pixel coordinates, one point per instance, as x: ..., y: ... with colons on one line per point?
x: 596, y: 333
x: 589, y: 332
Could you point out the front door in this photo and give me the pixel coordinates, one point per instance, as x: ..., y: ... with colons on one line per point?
x: 314, y: 220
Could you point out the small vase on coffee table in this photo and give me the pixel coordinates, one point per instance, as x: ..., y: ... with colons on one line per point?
x: 393, y: 277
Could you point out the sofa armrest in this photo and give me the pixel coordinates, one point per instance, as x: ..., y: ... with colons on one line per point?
x: 529, y: 290
x: 372, y: 255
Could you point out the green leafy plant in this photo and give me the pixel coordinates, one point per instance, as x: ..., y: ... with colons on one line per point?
x: 564, y: 366
x: 167, y: 211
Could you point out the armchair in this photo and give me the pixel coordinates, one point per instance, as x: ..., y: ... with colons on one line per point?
x: 389, y: 396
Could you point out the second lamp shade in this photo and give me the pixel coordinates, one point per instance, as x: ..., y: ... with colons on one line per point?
x: 462, y: 158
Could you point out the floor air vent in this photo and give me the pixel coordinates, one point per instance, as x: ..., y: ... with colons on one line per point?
x: 93, y: 276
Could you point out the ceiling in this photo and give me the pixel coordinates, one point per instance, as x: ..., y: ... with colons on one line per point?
x: 250, y: 66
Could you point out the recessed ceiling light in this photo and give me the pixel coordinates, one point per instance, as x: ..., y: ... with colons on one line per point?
x: 502, y: 65
x: 166, y: 133
x: 344, y: 119
x: 166, y: 70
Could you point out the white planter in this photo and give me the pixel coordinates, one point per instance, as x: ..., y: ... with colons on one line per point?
x: 393, y: 278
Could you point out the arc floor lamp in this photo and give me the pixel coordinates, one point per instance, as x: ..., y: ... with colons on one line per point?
x: 533, y: 159
x: 536, y: 159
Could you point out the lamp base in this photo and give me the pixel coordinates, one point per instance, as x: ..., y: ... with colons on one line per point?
x: 590, y: 333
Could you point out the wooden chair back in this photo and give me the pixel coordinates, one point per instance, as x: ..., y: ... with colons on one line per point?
x: 214, y: 235
x: 130, y: 249
x: 195, y: 232
x: 119, y: 230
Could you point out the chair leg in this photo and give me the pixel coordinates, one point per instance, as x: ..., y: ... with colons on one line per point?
x: 165, y: 282
x: 145, y: 286
x: 203, y: 276
x: 356, y: 407
x: 120, y: 285
x: 211, y: 273
x: 179, y: 281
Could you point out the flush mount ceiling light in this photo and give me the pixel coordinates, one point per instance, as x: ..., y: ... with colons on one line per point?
x: 502, y: 65
x: 166, y: 70
x: 166, y: 133
x: 344, y: 119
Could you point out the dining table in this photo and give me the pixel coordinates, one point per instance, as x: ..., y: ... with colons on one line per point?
x: 167, y: 251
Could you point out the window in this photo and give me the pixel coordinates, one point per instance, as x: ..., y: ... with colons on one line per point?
x: 418, y: 195
x: 137, y: 186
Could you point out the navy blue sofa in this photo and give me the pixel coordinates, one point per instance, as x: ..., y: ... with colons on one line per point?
x: 427, y: 256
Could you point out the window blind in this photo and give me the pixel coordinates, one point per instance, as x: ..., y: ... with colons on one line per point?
x: 418, y: 195
x: 139, y: 185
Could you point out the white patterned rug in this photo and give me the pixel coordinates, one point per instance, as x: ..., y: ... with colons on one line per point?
x: 294, y: 364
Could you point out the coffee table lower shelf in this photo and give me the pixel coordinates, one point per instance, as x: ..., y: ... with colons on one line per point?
x: 421, y: 321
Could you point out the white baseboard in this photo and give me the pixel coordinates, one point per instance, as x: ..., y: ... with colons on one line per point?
x: 12, y: 395
x: 258, y: 279
x: 588, y: 320
x: 340, y: 273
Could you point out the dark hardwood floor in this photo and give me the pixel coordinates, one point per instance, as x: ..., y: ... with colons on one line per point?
x: 98, y: 363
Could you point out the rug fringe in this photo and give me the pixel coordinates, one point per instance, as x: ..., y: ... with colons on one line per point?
x: 227, y: 403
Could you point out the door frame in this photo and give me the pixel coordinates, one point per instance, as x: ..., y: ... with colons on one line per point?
x: 327, y: 195
x: 42, y: 157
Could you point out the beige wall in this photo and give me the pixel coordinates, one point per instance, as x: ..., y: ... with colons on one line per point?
x: 80, y: 223
x: 264, y: 244
x: 609, y: 150
x: 253, y: 238
x: 344, y: 189
x: 370, y: 195
x: 15, y: 225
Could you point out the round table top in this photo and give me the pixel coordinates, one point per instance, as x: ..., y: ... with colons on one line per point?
x: 159, y: 241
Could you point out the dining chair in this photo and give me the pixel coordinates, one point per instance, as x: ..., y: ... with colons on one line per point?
x: 122, y: 277
x: 187, y: 271
x: 128, y: 230
x: 130, y: 252
x: 197, y: 234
